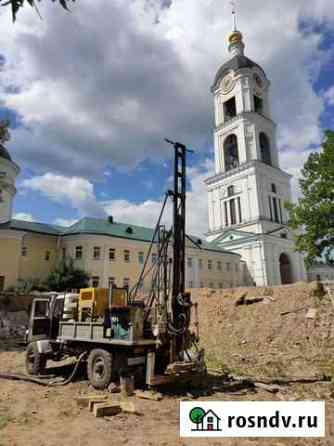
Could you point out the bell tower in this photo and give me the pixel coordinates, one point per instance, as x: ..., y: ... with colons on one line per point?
x: 244, y: 130
x: 8, y: 173
x: 248, y: 189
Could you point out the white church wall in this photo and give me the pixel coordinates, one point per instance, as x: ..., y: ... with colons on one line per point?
x: 8, y: 174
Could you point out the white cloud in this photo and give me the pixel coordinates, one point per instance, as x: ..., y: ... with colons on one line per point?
x: 65, y: 221
x: 74, y: 191
x: 87, y: 100
x: 329, y: 96
x: 78, y: 193
x: 24, y: 216
x: 293, y: 162
x: 146, y: 213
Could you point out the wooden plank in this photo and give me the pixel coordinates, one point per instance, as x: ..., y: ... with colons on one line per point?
x: 150, y: 367
x: 83, y: 401
x: 94, y: 401
x: 106, y: 409
x: 128, y: 407
x: 147, y: 395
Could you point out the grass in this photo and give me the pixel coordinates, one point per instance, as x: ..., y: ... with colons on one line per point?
x: 215, y: 363
x: 4, y: 421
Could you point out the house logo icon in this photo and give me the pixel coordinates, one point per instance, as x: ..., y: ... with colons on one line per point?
x: 204, y: 421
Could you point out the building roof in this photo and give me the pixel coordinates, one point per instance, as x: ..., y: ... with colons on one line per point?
x: 4, y: 153
x: 31, y: 226
x: 128, y: 231
x: 96, y: 226
x: 104, y: 227
x: 236, y: 63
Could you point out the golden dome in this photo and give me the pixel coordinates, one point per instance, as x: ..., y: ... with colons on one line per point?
x: 235, y: 37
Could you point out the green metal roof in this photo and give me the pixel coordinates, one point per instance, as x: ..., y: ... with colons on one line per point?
x: 31, y: 226
x: 128, y: 231
x: 104, y: 227
x: 96, y: 226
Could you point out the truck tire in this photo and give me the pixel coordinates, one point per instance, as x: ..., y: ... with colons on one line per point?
x: 35, y: 361
x: 99, y: 368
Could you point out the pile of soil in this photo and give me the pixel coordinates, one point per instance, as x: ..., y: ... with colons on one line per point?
x: 278, y: 331
x: 14, y: 315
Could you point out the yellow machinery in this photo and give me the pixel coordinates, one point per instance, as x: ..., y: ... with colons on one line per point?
x: 93, y: 302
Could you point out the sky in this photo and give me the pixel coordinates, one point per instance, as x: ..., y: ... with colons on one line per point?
x: 92, y: 94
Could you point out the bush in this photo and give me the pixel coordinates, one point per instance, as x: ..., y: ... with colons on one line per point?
x: 66, y: 276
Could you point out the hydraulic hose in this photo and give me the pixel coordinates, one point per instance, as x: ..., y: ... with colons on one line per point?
x: 41, y: 382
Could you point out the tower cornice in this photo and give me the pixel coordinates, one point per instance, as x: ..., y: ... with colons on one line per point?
x: 243, y: 115
x: 254, y: 163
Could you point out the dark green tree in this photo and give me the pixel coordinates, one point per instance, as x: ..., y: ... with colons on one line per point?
x: 313, y: 215
x: 4, y: 131
x: 16, y: 5
x: 66, y: 276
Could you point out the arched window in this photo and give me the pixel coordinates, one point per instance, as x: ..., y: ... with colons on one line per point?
x: 285, y: 269
x: 265, y: 148
x: 231, y: 152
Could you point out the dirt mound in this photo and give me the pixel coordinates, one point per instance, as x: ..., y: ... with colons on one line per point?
x: 14, y: 315
x: 273, y: 331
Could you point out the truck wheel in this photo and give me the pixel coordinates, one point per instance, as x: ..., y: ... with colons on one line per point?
x: 99, y: 368
x: 35, y: 361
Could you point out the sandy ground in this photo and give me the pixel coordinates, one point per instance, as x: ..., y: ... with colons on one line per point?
x: 269, y: 338
x: 31, y: 415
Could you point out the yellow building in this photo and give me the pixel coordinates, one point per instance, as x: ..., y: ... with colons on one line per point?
x: 109, y: 251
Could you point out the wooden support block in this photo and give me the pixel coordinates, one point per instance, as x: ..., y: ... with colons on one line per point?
x: 106, y: 409
x: 94, y: 401
x: 83, y: 401
x: 267, y: 387
x: 128, y: 407
x: 154, y: 396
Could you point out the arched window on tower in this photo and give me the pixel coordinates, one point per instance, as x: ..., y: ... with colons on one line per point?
x: 265, y: 148
x: 231, y: 152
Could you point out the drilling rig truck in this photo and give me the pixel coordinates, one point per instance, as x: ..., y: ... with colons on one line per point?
x: 116, y: 331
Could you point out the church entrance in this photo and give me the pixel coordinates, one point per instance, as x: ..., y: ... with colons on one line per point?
x: 285, y: 269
